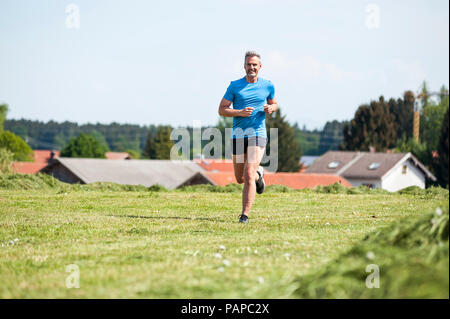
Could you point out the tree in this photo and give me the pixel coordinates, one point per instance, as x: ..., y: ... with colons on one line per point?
x: 289, y: 151
x: 402, y: 111
x: 3, y: 112
x: 159, y: 145
x: 15, y: 144
x: 425, y: 93
x: 441, y: 165
x: 372, y: 126
x: 85, y: 146
x: 149, y: 149
x: 101, y: 139
x: 418, y: 149
x: 443, y: 93
x: 431, y: 121
x: 122, y: 143
x: 331, y: 136
x: 133, y: 154
x: 308, y: 140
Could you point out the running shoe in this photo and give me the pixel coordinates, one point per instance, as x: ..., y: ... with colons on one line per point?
x: 260, y: 184
x: 243, y: 219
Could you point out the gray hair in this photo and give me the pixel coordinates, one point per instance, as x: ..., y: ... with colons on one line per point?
x: 250, y: 54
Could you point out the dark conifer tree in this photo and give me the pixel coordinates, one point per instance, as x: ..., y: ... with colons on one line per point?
x: 372, y: 126
x: 441, y: 166
x: 163, y: 143
x: 289, y: 151
x: 149, y: 149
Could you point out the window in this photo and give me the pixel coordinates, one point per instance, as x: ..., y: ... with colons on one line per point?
x: 374, y: 166
x: 369, y: 185
x: 404, y: 169
x: 334, y: 164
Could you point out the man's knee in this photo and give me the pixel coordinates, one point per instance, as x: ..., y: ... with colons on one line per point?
x: 249, y: 175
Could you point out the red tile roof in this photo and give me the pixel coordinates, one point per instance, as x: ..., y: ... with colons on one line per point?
x: 117, y: 155
x: 292, y: 180
x: 27, y: 167
x: 221, y: 178
x: 218, y: 165
x: 303, y: 180
x: 41, y: 158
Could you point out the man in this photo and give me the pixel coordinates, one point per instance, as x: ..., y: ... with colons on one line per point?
x: 252, y: 98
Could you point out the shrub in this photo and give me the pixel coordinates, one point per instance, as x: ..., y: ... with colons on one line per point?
x: 15, y: 144
x: 86, y: 146
x: 6, y: 158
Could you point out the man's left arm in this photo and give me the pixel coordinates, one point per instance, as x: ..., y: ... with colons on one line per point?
x: 271, y: 106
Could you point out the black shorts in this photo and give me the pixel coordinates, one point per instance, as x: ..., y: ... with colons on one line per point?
x: 240, y: 145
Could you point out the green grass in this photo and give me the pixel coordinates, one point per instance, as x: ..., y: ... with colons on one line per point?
x: 135, y: 242
x: 412, y: 256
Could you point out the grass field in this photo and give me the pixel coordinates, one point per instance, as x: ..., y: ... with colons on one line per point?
x: 183, y: 244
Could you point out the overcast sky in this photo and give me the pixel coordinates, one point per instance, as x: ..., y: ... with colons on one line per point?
x: 170, y: 62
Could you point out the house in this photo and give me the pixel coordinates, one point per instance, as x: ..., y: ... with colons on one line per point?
x: 41, y: 159
x: 170, y: 174
x: 389, y: 171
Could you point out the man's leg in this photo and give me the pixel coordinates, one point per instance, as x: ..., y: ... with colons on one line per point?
x: 254, y: 156
x: 239, y: 165
x: 239, y: 158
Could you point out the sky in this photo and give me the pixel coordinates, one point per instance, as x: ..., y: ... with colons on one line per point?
x: 170, y: 62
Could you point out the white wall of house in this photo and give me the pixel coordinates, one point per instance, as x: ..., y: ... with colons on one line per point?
x: 376, y: 183
x: 396, y: 179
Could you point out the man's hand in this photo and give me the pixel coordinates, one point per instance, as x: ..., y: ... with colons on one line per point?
x: 246, y: 112
x: 269, y: 109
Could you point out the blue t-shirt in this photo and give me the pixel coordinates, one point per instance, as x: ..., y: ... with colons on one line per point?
x: 244, y: 94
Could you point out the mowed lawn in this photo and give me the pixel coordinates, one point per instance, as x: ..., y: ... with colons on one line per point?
x: 180, y: 244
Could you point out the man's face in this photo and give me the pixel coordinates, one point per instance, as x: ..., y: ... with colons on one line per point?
x: 252, y: 66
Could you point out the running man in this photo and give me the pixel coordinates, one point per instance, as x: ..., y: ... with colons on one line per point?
x: 252, y: 98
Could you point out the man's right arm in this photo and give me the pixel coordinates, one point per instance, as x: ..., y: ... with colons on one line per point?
x: 227, y: 111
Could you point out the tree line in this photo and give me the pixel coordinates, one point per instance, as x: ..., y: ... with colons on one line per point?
x: 133, y: 138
